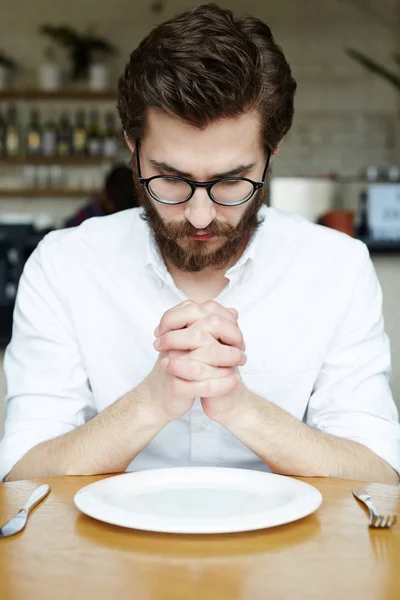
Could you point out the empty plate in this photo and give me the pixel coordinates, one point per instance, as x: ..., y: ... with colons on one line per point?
x: 198, y: 500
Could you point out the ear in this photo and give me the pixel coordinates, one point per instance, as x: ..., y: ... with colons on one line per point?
x: 278, y: 147
x: 131, y: 145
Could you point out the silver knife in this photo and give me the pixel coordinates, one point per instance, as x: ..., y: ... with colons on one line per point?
x: 18, y: 522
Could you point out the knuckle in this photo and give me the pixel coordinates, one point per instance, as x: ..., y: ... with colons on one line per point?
x: 214, y: 321
x: 239, y: 338
x: 206, y: 339
x: 165, y: 340
x: 213, y: 353
x: 197, y: 336
x: 202, y: 337
x: 187, y: 302
x: 210, y: 305
x: 230, y: 382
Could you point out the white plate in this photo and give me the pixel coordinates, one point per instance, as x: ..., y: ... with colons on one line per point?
x: 198, y: 500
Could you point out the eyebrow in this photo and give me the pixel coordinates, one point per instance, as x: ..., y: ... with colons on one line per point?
x: 231, y: 173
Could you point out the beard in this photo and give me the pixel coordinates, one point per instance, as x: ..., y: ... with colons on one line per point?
x: 197, y: 255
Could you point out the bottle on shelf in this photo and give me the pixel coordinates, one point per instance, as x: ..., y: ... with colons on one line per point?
x: 394, y: 174
x: 33, y: 141
x: 49, y: 137
x: 2, y: 135
x: 373, y: 174
x: 64, y: 141
x: 79, y: 134
x: 12, y: 135
x: 110, y: 142
x: 94, y: 135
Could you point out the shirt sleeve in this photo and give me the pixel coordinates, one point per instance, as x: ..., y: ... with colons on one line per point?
x: 48, y: 392
x: 352, y: 398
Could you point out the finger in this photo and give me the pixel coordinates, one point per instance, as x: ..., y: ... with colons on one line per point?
x: 215, y: 308
x: 179, y: 317
x: 183, y: 339
x: 194, y: 370
x: 202, y: 333
x: 205, y: 389
x: 219, y: 310
x: 176, y: 353
x: 223, y: 330
x: 219, y: 355
x: 188, y: 312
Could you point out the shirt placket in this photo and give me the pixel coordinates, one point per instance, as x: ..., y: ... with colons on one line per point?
x: 204, y: 437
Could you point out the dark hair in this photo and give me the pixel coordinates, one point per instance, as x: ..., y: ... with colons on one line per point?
x: 206, y: 64
x: 119, y: 188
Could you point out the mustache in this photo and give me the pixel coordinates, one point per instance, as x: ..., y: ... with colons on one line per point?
x: 175, y: 230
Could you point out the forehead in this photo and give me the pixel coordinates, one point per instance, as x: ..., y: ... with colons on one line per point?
x: 222, y: 145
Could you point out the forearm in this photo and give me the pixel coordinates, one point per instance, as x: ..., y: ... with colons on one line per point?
x: 105, y: 444
x: 291, y: 447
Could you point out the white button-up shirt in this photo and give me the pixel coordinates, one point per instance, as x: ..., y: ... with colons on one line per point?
x: 309, y: 308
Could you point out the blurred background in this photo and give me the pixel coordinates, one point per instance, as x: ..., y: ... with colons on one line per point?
x: 60, y: 137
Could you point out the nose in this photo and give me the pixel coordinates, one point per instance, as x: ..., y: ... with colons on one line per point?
x: 200, y: 209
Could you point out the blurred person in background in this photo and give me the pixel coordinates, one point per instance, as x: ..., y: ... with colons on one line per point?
x: 116, y: 195
x: 204, y: 328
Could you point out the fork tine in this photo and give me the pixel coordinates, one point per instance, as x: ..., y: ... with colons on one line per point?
x: 383, y: 521
x: 372, y: 521
x: 392, y: 520
x: 377, y: 521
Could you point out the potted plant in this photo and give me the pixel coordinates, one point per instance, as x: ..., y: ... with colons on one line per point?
x: 7, y: 66
x: 86, y: 52
x: 389, y: 75
x: 374, y: 67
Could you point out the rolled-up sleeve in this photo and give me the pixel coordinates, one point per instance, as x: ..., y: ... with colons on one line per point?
x: 48, y: 393
x: 352, y: 397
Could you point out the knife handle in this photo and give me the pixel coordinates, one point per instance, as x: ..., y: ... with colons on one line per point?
x: 38, y: 495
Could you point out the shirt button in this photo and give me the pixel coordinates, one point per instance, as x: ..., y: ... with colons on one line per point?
x: 204, y: 426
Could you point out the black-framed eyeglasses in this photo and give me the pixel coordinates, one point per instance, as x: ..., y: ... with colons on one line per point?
x: 226, y: 191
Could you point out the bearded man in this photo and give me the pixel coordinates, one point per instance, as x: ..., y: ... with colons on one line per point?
x: 203, y: 328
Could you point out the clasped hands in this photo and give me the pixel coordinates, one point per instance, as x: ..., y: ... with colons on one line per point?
x: 201, y: 347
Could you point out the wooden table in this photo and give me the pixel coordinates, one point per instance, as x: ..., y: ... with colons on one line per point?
x: 329, y: 555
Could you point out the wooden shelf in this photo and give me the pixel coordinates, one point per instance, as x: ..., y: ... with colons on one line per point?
x: 61, y: 94
x: 46, y: 193
x: 55, y: 160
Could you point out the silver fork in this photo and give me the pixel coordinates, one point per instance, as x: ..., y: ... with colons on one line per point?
x: 376, y: 520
